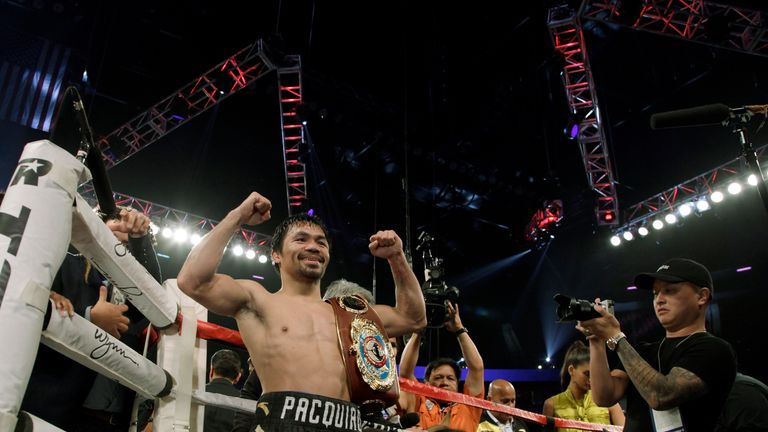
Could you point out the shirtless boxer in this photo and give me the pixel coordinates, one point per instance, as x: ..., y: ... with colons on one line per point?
x: 291, y: 335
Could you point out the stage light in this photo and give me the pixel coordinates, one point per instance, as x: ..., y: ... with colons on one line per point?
x: 154, y: 228
x: 180, y: 235
x: 572, y: 127
x: 538, y: 367
x: 752, y: 180
x: 547, y: 359
x: 657, y: 224
x: 670, y: 219
x: 608, y: 216
x: 685, y: 210
x: 734, y: 188
x: 702, y: 204
x: 717, y: 197
x: 167, y: 232
x: 195, y: 238
x: 237, y: 250
x: 643, y: 231
x: 615, y: 240
x: 628, y: 236
x: 263, y: 259
x: 250, y: 254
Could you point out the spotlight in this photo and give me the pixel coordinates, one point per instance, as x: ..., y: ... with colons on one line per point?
x: 702, y: 205
x: 195, y: 238
x: 250, y: 254
x: 538, y: 367
x: 752, y: 180
x: 734, y: 188
x: 167, y: 232
x: 180, y: 235
x: 717, y: 197
x: 547, y: 359
x: 628, y: 236
x: 657, y: 224
x: 263, y: 259
x: 237, y: 250
x: 608, y: 216
x: 615, y: 240
x: 685, y: 210
x: 670, y: 219
x: 154, y: 228
x: 643, y: 231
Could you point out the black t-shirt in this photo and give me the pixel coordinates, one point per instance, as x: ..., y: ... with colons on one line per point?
x: 708, y: 357
x: 747, y: 407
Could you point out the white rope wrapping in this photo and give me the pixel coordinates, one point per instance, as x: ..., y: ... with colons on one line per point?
x: 233, y: 403
x: 83, y: 342
x: 30, y: 423
x: 97, y: 243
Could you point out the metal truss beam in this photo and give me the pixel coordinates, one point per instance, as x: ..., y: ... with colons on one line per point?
x: 220, y: 82
x: 292, y: 126
x: 567, y: 38
x: 701, y: 21
x: 167, y: 216
x: 688, y: 192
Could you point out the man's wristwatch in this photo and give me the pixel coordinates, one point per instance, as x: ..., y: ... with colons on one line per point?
x: 613, y: 342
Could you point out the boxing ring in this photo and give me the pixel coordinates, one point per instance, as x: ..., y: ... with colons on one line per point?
x: 40, y: 216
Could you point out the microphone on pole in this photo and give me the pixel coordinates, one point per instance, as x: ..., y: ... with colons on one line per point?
x: 71, y: 126
x: 704, y: 115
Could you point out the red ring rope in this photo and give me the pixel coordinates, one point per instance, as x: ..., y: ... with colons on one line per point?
x: 450, y: 396
x: 209, y: 331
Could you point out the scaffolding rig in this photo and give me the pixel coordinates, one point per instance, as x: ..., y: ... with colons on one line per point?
x: 567, y: 38
x: 706, y: 22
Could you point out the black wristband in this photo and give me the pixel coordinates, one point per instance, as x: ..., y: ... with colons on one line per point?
x: 458, y: 332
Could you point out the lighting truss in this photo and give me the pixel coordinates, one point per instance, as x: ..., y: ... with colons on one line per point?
x: 670, y: 200
x: 566, y: 33
x: 220, y: 82
x: 291, y: 123
x: 167, y: 216
x: 705, y: 22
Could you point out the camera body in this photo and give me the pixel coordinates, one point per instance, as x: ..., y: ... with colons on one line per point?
x: 571, y: 309
x: 436, y: 292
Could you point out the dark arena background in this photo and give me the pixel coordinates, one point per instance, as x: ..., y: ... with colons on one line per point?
x: 526, y: 152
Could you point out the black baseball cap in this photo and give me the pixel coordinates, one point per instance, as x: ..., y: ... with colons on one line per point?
x: 677, y: 270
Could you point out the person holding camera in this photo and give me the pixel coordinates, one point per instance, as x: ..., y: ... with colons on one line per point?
x: 445, y: 373
x: 678, y: 383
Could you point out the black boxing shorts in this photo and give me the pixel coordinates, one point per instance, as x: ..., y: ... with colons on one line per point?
x: 299, y: 412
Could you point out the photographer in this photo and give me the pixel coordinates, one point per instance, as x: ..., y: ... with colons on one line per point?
x: 678, y: 383
x: 445, y: 373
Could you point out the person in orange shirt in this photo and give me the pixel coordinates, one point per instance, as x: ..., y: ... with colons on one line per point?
x: 445, y: 373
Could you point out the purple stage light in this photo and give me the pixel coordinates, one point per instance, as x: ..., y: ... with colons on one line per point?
x: 574, y: 132
x: 743, y: 269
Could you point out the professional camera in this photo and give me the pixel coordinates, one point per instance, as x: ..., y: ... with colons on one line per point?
x: 436, y: 292
x: 571, y: 309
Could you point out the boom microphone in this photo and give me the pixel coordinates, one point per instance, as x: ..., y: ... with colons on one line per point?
x: 698, y: 116
x: 71, y: 130
x: 703, y: 115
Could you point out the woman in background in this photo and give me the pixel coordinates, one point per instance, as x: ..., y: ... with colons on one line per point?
x: 575, y: 403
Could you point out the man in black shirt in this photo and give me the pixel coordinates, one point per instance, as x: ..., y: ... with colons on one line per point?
x: 678, y: 383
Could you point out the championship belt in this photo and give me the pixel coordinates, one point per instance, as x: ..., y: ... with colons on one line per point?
x: 368, y: 359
